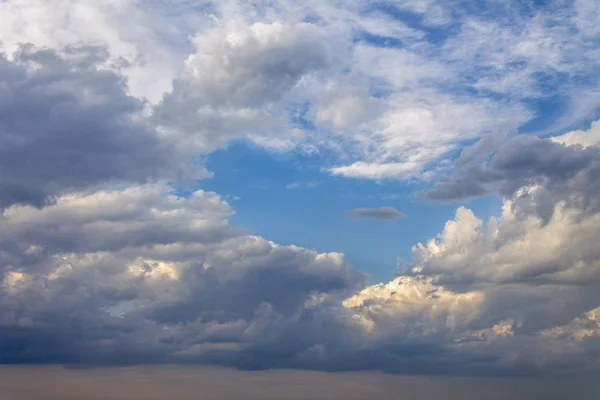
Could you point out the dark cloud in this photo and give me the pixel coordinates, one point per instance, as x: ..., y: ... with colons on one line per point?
x: 140, y: 276
x: 565, y: 173
x: 382, y: 213
x: 482, y: 149
x: 68, y: 125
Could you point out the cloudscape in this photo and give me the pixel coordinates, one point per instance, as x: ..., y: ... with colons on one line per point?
x: 312, y: 199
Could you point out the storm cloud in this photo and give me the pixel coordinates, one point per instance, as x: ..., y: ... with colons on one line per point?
x: 67, y: 125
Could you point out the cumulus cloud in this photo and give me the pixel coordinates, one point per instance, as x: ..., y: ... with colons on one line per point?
x: 67, y: 125
x: 510, y: 297
x: 516, y: 293
x: 561, y: 167
x: 142, y: 276
x: 150, y: 276
x: 232, y: 86
x: 381, y: 213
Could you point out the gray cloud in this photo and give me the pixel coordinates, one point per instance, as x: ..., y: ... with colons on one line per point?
x: 237, y: 80
x: 67, y: 125
x: 569, y: 173
x: 482, y: 149
x: 190, y: 287
x: 139, y: 276
x: 381, y: 213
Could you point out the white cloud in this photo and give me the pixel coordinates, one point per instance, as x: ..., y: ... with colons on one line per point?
x: 417, y: 130
x: 254, y: 64
x: 240, y: 83
x: 590, y: 137
x: 410, y: 307
x: 143, y: 46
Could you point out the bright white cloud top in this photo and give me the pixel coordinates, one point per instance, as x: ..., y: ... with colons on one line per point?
x: 106, y: 107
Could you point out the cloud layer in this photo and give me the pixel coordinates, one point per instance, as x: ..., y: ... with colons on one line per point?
x: 393, y: 88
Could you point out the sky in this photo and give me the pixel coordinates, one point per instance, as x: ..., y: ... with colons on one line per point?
x: 319, y: 190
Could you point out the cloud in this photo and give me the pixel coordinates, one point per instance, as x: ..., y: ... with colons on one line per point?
x: 303, y: 185
x: 102, y: 263
x: 562, y: 168
x: 418, y: 101
x: 488, y: 298
x: 141, y: 276
x: 482, y: 149
x: 585, y: 138
x: 68, y: 125
x: 381, y: 213
x: 252, y: 65
x: 418, y: 128
x: 188, y: 285
x: 492, y: 291
x: 240, y: 82
x: 149, y: 52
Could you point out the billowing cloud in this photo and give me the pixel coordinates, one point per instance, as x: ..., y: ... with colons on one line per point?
x: 563, y: 169
x: 389, y: 95
x: 67, y: 125
x: 150, y: 276
x: 382, y: 213
x: 235, y: 82
x: 141, y: 276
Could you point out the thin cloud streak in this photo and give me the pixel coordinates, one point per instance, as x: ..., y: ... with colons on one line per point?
x: 381, y: 213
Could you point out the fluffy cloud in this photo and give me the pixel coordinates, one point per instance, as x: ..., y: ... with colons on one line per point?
x: 517, y: 293
x: 512, y: 297
x: 420, y: 97
x: 142, y: 44
x: 561, y: 167
x: 235, y: 82
x: 67, y: 125
x: 142, y: 276
x: 139, y: 274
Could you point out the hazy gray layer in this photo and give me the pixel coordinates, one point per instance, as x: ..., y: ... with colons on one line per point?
x: 186, y: 383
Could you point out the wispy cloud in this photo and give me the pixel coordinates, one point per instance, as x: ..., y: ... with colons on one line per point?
x: 303, y: 185
x: 381, y: 213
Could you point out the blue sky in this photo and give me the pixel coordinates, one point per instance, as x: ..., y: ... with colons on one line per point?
x: 290, y: 200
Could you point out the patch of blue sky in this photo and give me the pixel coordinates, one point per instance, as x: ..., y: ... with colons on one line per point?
x: 299, y: 116
x: 378, y: 40
x: 546, y: 112
x: 436, y: 35
x: 289, y: 199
